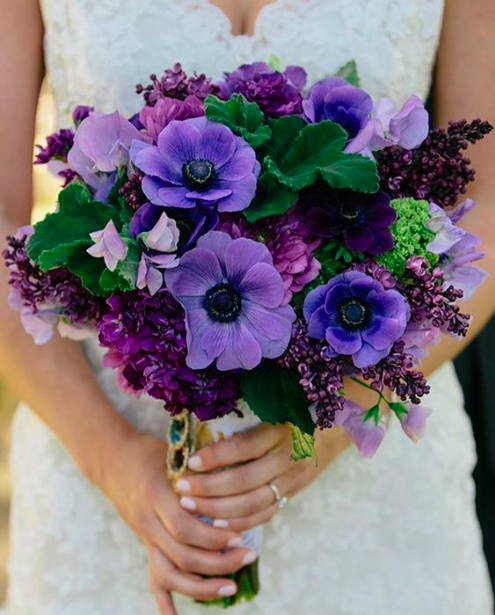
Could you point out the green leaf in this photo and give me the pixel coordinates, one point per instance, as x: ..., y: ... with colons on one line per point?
x: 398, y: 408
x: 88, y: 269
x: 57, y: 257
x: 373, y: 414
x: 317, y: 152
x: 275, y: 63
x: 285, y: 131
x: 275, y: 396
x: 272, y: 198
x: 303, y: 444
x: 127, y: 269
x: 244, y: 118
x: 349, y: 72
x: 75, y: 219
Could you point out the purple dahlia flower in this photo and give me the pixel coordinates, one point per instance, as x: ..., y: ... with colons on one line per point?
x: 276, y: 93
x: 198, y: 162
x: 154, y: 119
x: 336, y: 100
x: 363, y: 220
x: 101, y: 146
x: 356, y: 316
x: 232, y: 295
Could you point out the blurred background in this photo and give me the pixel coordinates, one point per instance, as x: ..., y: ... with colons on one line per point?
x: 45, y: 192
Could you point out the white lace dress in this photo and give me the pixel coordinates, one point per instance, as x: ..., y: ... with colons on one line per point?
x: 393, y: 536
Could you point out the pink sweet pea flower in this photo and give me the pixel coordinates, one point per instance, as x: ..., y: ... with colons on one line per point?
x: 414, y: 422
x: 164, y: 236
x: 366, y: 435
x: 150, y: 271
x: 407, y: 127
x: 108, y: 245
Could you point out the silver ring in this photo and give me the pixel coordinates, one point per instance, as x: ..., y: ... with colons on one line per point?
x: 279, y: 499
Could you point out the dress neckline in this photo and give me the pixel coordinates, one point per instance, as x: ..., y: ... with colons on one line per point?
x: 273, y: 5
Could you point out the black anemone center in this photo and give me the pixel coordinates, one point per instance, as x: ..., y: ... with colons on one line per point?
x: 223, y: 303
x: 348, y: 212
x: 198, y: 174
x: 353, y: 313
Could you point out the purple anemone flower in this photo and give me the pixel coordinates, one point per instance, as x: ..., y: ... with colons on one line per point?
x: 356, y: 316
x: 232, y: 296
x: 276, y: 93
x: 363, y: 220
x: 198, y: 162
x: 336, y: 100
x: 154, y: 119
x: 101, y: 146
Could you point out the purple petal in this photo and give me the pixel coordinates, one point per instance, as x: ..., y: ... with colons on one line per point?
x: 365, y: 434
x: 414, y: 422
x: 151, y: 162
x: 241, y: 254
x: 314, y: 300
x: 369, y: 356
x: 362, y: 287
x: 217, y: 142
x: 409, y: 128
x: 272, y: 324
x: 382, y: 332
x: 217, y: 242
x: 318, y: 324
x: 343, y: 341
x: 178, y: 144
x: 197, y: 322
x: 171, y: 196
x: 243, y: 192
x: 262, y: 284
x: 242, y: 351
x: 209, y: 196
x: 335, y: 296
x: 215, y: 339
x: 241, y: 164
x: 199, y: 270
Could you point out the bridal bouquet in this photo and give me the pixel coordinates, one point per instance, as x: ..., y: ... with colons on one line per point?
x: 243, y: 247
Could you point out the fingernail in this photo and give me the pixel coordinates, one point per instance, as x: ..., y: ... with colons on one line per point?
x: 235, y: 543
x: 183, y: 485
x: 188, y: 503
x: 195, y: 463
x: 249, y: 558
x: 227, y: 590
x: 221, y: 524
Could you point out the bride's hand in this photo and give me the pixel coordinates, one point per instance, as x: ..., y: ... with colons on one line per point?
x: 180, y: 546
x: 239, y: 498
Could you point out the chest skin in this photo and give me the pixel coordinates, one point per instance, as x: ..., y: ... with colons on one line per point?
x: 242, y: 13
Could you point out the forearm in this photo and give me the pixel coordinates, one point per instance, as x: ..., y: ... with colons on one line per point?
x: 57, y: 383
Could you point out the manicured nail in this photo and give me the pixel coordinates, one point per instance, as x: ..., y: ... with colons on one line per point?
x: 235, y: 543
x: 249, y: 558
x: 183, y: 485
x: 188, y: 503
x: 195, y: 462
x: 221, y: 524
x: 227, y: 590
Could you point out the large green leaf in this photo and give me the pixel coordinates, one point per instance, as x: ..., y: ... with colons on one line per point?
x: 88, y: 269
x: 244, y: 118
x: 75, y: 219
x: 125, y: 275
x: 272, y: 198
x: 303, y: 444
x: 317, y: 151
x: 58, y: 257
x: 275, y: 396
x: 285, y: 131
x: 349, y: 72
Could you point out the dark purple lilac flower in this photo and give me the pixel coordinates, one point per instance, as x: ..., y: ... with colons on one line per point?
x: 102, y: 146
x: 336, y: 100
x: 198, y: 162
x: 276, y: 93
x: 232, y: 296
x: 176, y: 84
x: 363, y: 220
x: 146, y: 341
x: 154, y: 119
x: 357, y: 316
x: 80, y: 113
x: 132, y: 192
x: 57, y: 147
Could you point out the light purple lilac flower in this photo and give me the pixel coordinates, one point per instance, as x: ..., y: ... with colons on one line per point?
x: 357, y: 316
x: 109, y: 245
x: 155, y: 119
x: 336, y: 100
x: 232, y: 296
x: 414, y: 422
x: 198, y: 162
x: 407, y: 127
x: 101, y: 146
x: 277, y: 93
x: 366, y: 435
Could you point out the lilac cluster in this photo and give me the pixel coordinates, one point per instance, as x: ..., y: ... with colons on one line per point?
x: 57, y: 147
x: 432, y: 300
x: 276, y: 93
x: 175, y: 83
x: 132, y: 192
x: 396, y: 371
x: 59, y: 287
x: 437, y: 170
x: 322, y: 377
x: 146, y: 338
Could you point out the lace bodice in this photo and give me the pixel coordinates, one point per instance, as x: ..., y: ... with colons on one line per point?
x: 394, y: 536
x: 97, y: 50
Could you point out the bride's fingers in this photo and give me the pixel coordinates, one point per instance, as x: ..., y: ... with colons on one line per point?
x: 169, y: 579
x: 234, y: 481
x: 163, y: 600
x: 244, y: 505
x: 237, y: 449
x: 248, y: 523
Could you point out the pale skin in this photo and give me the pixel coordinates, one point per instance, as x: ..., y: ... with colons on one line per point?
x: 128, y: 466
